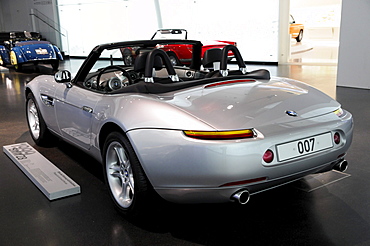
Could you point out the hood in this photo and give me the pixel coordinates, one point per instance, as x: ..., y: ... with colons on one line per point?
x: 37, y: 50
x: 254, y: 103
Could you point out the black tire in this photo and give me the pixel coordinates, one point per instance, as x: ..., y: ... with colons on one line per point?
x: 300, y: 36
x: 173, y: 58
x: 36, y: 124
x: 55, y: 65
x: 18, y: 67
x: 127, y: 184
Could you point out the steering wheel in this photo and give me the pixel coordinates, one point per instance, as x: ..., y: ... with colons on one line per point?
x: 114, y: 80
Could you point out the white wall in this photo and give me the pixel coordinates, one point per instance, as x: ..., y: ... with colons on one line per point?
x: 93, y: 22
x: 354, y: 51
x: 252, y: 24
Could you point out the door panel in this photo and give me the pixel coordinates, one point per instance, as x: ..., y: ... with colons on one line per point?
x: 74, y: 109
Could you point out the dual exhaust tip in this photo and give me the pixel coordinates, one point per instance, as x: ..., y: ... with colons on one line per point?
x: 242, y: 196
x: 341, y: 166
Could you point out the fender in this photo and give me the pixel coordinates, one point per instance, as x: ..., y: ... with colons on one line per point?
x: 4, y: 53
x: 58, y: 53
x: 19, y: 54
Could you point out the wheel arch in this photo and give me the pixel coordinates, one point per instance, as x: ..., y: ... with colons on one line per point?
x: 19, y: 55
x: 175, y: 55
x: 58, y: 54
x: 106, y: 129
x: 27, y: 91
x: 110, y: 127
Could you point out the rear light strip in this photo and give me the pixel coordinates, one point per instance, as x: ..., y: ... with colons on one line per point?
x: 244, y: 182
x: 229, y: 82
x: 218, y: 135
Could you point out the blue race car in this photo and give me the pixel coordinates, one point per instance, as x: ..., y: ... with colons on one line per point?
x: 18, y: 48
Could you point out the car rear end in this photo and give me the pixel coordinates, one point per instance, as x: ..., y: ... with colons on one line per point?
x: 37, y: 51
x: 250, y: 137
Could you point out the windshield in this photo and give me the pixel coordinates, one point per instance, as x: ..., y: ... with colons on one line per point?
x: 170, y: 34
x: 109, y: 57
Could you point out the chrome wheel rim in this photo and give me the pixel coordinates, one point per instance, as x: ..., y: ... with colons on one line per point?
x: 173, y: 60
x: 119, y: 174
x: 33, y: 119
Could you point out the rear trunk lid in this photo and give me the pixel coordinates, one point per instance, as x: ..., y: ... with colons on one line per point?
x: 37, y: 50
x: 246, y: 104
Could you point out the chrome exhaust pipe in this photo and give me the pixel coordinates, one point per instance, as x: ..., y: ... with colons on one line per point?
x: 341, y: 166
x: 241, y: 196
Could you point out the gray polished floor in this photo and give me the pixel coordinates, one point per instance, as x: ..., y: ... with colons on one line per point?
x: 327, y: 209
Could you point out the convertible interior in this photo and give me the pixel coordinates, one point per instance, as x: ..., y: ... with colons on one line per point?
x: 152, y: 71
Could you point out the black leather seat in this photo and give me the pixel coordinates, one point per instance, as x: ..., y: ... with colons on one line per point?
x: 140, y: 61
x: 210, y: 57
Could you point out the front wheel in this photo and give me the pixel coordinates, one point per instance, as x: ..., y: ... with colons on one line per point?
x: 127, y: 183
x: 55, y: 65
x: 36, y: 124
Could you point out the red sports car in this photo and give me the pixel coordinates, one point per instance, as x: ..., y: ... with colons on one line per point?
x: 180, y: 54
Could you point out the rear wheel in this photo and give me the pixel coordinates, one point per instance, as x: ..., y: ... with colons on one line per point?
x: 127, y: 183
x: 14, y: 61
x: 173, y: 58
x: 36, y: 124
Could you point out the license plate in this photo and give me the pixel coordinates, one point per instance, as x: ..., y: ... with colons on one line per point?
x: 41, y: 51
x: 304, y: 146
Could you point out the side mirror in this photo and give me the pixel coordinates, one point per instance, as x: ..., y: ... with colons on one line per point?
x: 63, y: 76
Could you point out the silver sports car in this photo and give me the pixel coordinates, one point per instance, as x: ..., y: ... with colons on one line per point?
x: 199, y: 134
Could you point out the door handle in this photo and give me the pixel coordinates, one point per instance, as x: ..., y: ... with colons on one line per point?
x: 87, y: 109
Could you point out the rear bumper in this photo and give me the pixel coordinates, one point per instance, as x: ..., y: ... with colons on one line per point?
x: 41, y: 60
x: 224, y: 194
x: 188, y: 170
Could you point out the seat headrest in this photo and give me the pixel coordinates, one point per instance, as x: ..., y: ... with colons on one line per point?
x: 140, y: 61
x: 211, y: 56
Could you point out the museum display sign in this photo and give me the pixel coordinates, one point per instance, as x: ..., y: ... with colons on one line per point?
x: 45, y: 175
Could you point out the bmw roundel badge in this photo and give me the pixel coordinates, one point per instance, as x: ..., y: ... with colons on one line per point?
x: 291, y: 113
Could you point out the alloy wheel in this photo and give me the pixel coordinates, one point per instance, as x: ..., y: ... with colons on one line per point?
x: 33, y: 119
x: 119, y: 174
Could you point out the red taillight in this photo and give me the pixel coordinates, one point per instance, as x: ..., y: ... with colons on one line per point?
x: 336, y: 138
x: 268, y: 156
x: 229, y: 82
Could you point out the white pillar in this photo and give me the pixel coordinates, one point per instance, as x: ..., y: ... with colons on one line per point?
x: 159, y: 15
x: 284, y: 37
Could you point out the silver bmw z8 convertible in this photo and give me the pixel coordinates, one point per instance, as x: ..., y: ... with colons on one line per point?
x: 206, y: 133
